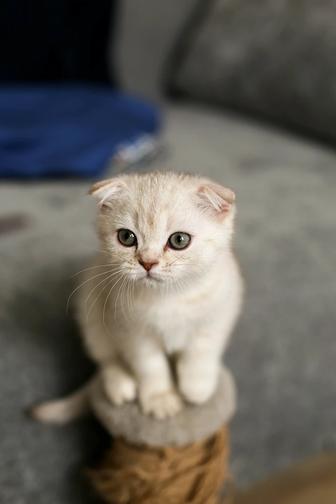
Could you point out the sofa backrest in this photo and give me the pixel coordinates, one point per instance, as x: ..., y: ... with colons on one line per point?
x: 147, y: 32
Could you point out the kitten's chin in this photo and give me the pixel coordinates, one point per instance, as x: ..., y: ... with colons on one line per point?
x: 150, y: 282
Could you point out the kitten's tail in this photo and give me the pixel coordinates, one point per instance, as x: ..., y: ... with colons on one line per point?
x: 62, y: 411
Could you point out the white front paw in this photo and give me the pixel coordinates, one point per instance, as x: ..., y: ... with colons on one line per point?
x: 161, y: 404
x: 119, y: 386
x: 196, y: 384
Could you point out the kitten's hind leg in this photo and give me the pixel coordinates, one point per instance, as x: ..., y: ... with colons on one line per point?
x: 119, y: 385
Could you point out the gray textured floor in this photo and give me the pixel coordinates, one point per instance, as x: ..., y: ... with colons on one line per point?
x: 283, y: 353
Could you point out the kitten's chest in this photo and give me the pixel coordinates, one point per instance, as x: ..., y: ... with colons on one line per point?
x: 170, y: 324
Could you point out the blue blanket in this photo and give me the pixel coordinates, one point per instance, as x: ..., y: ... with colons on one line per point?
x: 67, y: 129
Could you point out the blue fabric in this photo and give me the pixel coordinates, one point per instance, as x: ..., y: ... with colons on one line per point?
x: 67, y: 130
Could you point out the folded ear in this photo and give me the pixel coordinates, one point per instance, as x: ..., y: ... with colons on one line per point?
x: 215, y: 198
x: 106, y: 191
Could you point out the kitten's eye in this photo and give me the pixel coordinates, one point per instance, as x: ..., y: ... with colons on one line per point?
x: 179, y: 240
x: 127, y: 237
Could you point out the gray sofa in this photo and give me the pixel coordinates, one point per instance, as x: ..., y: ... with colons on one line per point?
x: 283, y: 351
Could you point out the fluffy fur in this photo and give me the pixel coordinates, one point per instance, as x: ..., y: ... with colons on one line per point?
x: 159, y: 335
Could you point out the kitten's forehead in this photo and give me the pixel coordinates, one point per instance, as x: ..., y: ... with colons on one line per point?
x: 158, y: 206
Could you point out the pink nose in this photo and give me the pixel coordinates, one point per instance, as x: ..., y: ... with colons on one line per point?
x: 147, y: 264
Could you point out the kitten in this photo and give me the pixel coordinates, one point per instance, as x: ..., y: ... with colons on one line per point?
x: 158, y: 306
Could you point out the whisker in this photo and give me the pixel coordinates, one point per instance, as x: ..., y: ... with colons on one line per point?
x: 129, y: 295
x: 107, y: 297
x: 82, y: 285
x: 108, y: 283
x: 117, y: 297
x: 109, y: 277
x: 93, y: 267
x: 132, y: 294
x: 124, y: 298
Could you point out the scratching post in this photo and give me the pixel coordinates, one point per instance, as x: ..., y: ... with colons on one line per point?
x: 179, y: 460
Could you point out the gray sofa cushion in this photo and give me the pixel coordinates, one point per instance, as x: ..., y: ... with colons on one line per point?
x: 275, y: 58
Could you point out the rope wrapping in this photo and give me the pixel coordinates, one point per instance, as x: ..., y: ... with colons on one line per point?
x: 138, y: 474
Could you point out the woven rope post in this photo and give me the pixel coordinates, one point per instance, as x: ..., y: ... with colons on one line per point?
x: 179, y: 460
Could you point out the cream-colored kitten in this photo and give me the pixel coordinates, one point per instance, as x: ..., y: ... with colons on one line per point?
x: 158, y: 306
